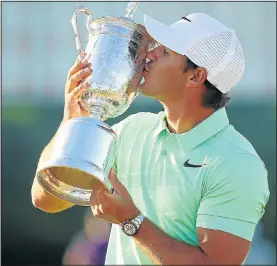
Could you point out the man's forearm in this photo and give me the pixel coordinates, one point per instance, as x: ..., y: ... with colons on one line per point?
x: 164, y: 250
x: 40, y: 198
x: 45, y: 155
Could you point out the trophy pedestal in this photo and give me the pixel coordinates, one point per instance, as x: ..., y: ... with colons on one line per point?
x: 76, y: 178
x: 82, y: 156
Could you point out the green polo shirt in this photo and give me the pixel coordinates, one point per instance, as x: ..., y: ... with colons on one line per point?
x: 209, y: 177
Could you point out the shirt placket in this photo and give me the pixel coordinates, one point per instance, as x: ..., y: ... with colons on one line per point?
x: 161, y: 151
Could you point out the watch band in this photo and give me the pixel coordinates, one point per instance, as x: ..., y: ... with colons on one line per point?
x: 138, y: 220
x: 131, y: 227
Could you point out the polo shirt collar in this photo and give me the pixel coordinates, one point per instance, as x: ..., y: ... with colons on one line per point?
x: 202, y: 132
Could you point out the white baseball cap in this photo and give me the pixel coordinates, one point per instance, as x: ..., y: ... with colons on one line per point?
x: 207, y: 43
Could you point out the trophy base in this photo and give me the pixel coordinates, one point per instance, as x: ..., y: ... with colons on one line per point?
x: 76, y: 178
x: 83, y: 154
x: 69, y: 184
x: 71, y: 180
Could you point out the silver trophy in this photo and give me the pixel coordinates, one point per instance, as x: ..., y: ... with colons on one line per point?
x: 84, y: 147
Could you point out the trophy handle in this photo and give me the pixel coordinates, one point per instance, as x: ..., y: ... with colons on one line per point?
x: 75, y: 28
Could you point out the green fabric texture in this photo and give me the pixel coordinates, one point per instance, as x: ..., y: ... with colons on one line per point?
x: 208, y: 177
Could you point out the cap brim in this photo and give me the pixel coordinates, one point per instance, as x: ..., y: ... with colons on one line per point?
x: 160, y: 32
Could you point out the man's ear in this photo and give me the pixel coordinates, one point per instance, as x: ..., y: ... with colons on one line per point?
x: 198, y: 76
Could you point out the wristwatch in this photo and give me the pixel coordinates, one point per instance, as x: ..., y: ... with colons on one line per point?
x: 131, y: 227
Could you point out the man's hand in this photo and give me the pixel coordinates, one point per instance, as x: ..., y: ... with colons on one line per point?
x: 116, y: 207
x: 75, y: 86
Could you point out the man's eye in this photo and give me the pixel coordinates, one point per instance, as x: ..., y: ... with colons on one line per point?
x: 165, y: 52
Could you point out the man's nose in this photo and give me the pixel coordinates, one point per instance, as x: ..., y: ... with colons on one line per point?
x: 154, y: 54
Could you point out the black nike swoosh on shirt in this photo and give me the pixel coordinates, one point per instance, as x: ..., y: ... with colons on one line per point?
x: 187, y: 164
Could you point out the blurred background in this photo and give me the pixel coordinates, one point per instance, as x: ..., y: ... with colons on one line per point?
x: 38, y: 49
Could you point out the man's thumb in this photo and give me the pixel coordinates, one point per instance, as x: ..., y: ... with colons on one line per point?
x: 116, y: 184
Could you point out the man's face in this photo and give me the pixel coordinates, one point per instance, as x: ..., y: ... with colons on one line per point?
x: 164, y: 74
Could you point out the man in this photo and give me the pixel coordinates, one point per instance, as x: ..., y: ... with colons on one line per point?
x: 190, y: 188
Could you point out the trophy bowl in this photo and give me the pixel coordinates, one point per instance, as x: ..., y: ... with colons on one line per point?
x: 84, y: 147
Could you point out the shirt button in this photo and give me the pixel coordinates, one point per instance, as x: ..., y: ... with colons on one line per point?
x: 164, y: 152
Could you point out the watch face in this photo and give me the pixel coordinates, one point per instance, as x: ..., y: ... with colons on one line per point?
x: 129, y: 228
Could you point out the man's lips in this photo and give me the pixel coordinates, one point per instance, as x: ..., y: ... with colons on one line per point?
x: 145, y: 72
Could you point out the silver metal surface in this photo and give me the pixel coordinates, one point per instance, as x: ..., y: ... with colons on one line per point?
x: 131, y: 9
x: 84, y: 148
x: 75, y: 27
x: 117, y: 50
x: 82, y: 156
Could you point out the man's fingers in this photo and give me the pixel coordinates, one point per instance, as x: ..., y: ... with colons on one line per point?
x: 96, y: 205
x: 78, y: 64
x: 116, y: 184
x: 78, y: 77
x: 81, y: 62
x: 78, y: 91
x: 100, y: 207
x: 96, y: 211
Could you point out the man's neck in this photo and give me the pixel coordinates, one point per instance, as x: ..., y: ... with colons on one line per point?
x: 181, y: 120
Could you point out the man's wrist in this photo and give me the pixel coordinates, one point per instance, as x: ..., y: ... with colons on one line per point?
x: 132, y: 226
x: 132, y: 215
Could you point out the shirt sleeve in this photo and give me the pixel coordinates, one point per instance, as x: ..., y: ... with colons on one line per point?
x: 235, y: 196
